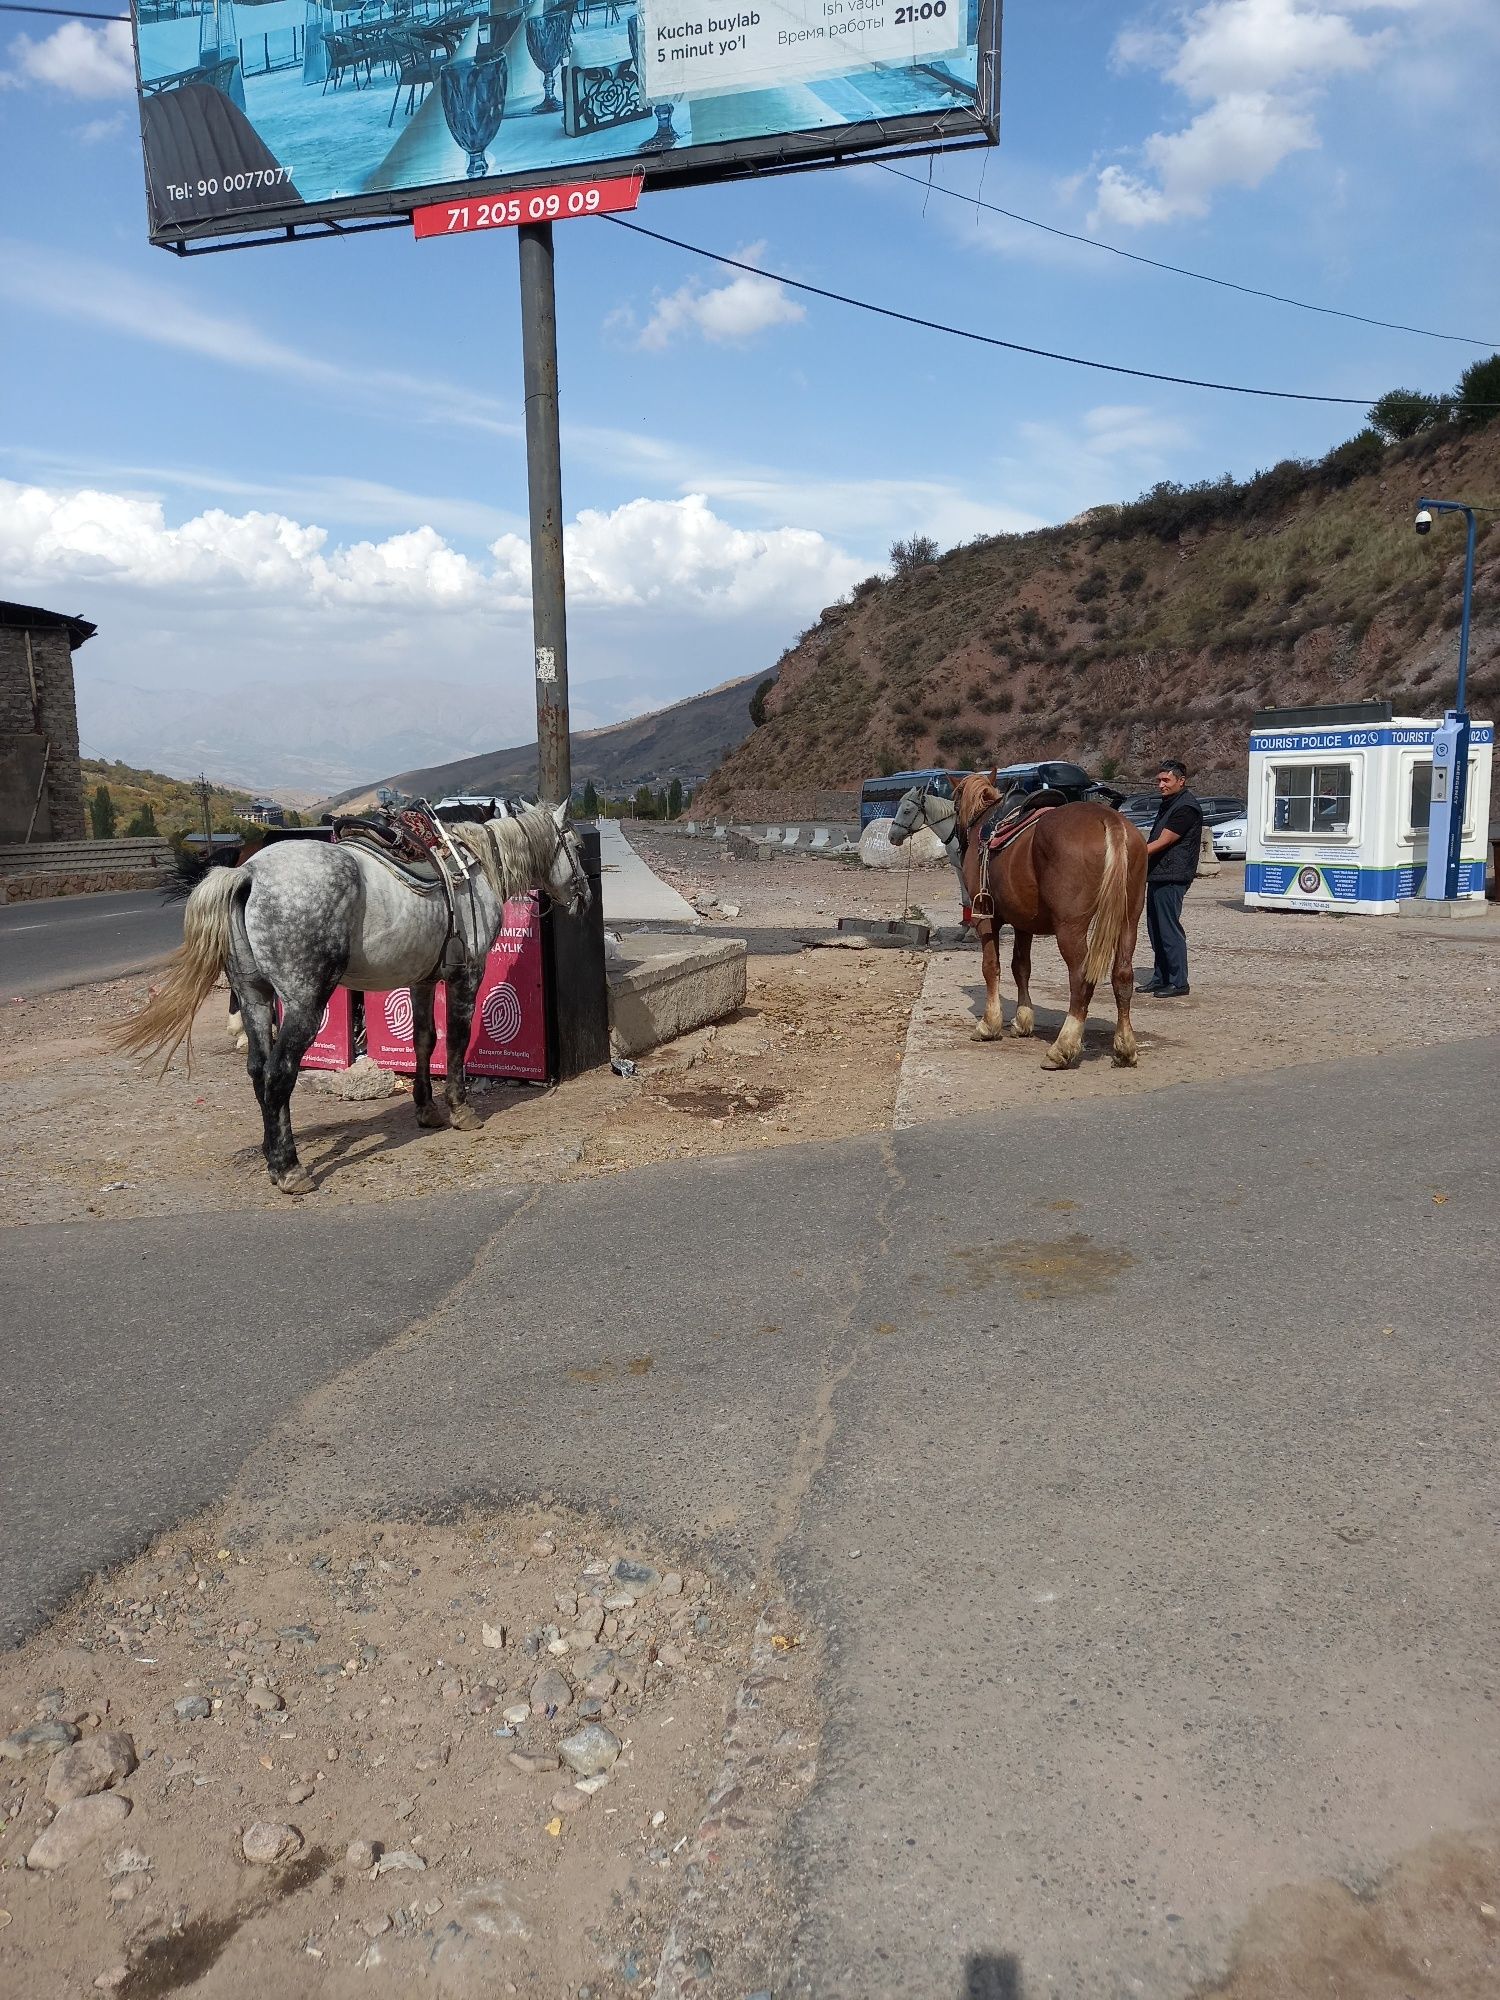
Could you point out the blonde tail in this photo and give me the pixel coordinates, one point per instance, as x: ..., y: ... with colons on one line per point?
x: 1112, y: 908
x: 166, y: 1021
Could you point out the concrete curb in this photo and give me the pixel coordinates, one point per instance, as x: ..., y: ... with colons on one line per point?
x: 665, y: 985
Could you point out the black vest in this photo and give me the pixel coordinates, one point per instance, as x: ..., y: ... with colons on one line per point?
x: 1179, y: 862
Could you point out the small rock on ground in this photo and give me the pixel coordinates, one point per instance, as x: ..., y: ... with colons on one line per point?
x: 267, y: 1841
x: 93, y: 1765
x: 590, y: 1750
x: 78, y: 1825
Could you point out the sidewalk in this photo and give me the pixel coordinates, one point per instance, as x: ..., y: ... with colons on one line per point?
x: 632, y: 893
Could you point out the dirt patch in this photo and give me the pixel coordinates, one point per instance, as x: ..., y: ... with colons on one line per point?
x: 1074, y: 1268
x: 815, y: 1053
x: 1268, y: 992
x: 711, y: 1100
x: 1429, y: 1931
x: 521, y: 1720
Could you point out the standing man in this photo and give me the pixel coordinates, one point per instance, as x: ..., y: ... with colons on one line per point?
x: 1172, y: 847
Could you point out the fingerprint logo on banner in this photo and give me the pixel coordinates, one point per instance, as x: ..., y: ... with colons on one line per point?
x: 323, y: 1023
x: 398, y: 1014
x: 501, y: 1014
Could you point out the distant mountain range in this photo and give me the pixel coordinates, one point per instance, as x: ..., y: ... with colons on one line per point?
x: 686, y: 741
x: 305, y: 740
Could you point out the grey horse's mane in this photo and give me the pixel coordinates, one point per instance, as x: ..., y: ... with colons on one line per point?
x: 515, y: 854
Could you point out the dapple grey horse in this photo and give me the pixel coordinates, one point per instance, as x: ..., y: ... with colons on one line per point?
x: 301, y: 918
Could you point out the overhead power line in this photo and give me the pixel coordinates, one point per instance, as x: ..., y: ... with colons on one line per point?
x: 993, y: 340
x: 66, y: 13
x: 1181, y: 270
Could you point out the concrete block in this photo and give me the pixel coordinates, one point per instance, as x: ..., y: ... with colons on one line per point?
x: 665, y: 985
x: 1461, y: 908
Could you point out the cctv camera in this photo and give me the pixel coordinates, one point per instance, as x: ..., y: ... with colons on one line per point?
x: 1423, y: 521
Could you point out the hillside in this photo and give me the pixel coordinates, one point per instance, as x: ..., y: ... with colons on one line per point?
x: 684, y: 741
x: 1145, y: 630
x: 174, y: 800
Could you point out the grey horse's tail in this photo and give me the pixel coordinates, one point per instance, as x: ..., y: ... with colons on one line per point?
x: 166, y: 1021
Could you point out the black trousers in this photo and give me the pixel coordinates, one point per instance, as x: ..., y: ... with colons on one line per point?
x: 1164, y: 928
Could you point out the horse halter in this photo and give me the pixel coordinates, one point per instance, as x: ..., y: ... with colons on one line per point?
x: 579, y: 885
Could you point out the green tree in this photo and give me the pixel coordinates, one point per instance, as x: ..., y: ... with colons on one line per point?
x: 674, y: 799
x: 1352, y: 459
x: 1478, y: 394
x: 645, y: 802
x: 590, y: 800
x: 661, y: 805
x: 102, y: 815
x: 143, y: 825
x: 914, y: 553
x: 758, y: 700
x: 1401, y: 413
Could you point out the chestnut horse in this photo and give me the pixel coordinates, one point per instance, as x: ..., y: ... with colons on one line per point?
x: 1075, y: 871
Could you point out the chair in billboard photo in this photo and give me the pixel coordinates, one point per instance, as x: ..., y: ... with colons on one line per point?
x: 418, y: 63
x: 345, y: 57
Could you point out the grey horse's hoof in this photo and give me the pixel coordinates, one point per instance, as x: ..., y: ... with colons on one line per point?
x: 986, y: 1033
x: 464, y: 1118
x: 296, y: 1180
x: 433, y: 1117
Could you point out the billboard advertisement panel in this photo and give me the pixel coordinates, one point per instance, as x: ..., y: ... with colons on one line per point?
x: 289, y: 111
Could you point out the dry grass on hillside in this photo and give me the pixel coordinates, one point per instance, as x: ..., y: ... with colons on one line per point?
x: 1087, y: 643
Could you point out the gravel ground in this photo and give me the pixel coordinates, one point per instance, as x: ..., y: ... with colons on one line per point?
x: 487, y: 1758
x: 826, y: 1046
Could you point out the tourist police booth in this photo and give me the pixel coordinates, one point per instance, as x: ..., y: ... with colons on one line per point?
x: 1340, y: 801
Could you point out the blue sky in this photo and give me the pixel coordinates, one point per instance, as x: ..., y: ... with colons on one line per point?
x: 289, y: 484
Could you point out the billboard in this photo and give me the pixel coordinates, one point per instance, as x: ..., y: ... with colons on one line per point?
x: 261, y: 114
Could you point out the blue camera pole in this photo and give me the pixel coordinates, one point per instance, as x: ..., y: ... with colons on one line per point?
x: 1450, y: 745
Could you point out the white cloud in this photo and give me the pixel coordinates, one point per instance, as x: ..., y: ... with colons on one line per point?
x: 1080, y: 464
x: 657, y: 554
x: 729, y: 313
x: 78, y: 59
x: 161, y: 312
x: 1258, y: 68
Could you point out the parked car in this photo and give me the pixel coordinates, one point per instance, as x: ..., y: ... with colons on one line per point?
x: 1229, y: 838
x: 1140, y: 809
x: 1217, y: 810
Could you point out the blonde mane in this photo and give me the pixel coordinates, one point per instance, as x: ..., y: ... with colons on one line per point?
x: 515, y: 855
x: 975, y: 795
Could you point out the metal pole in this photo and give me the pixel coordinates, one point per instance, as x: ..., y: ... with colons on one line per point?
x: 544, y: 482
x: 1463, y: 630
x: 1458, y: 715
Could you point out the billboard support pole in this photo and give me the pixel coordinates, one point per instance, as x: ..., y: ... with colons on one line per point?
x: 549, y: 616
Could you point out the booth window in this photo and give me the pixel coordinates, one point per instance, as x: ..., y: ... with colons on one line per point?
x: 1419, y: 808
x: 1313, y: 798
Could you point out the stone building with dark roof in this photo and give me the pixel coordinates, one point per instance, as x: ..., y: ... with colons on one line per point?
x: 41, y: 781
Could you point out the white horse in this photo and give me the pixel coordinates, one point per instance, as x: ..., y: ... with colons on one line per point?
x: 935, y: 810
x: 302, y: 917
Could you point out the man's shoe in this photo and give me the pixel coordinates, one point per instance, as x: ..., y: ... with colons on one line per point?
x: 1172, y: 992
x: 1149, y: 986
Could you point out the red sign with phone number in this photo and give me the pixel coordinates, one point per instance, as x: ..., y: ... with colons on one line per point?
x: 509, y: 211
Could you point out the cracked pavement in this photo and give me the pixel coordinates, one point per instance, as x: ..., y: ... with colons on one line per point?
x: 1164, y: 1433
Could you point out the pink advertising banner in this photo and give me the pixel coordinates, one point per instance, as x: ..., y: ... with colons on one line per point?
x: 509, y: 1036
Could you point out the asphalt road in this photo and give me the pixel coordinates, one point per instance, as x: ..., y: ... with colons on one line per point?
x: 1168, y: 1482
x: 69, y: 940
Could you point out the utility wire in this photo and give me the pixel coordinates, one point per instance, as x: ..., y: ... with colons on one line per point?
x: 1031, y: 222
x: 67, y: 13
x: 1180, y: 270
x: 993, y: 340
